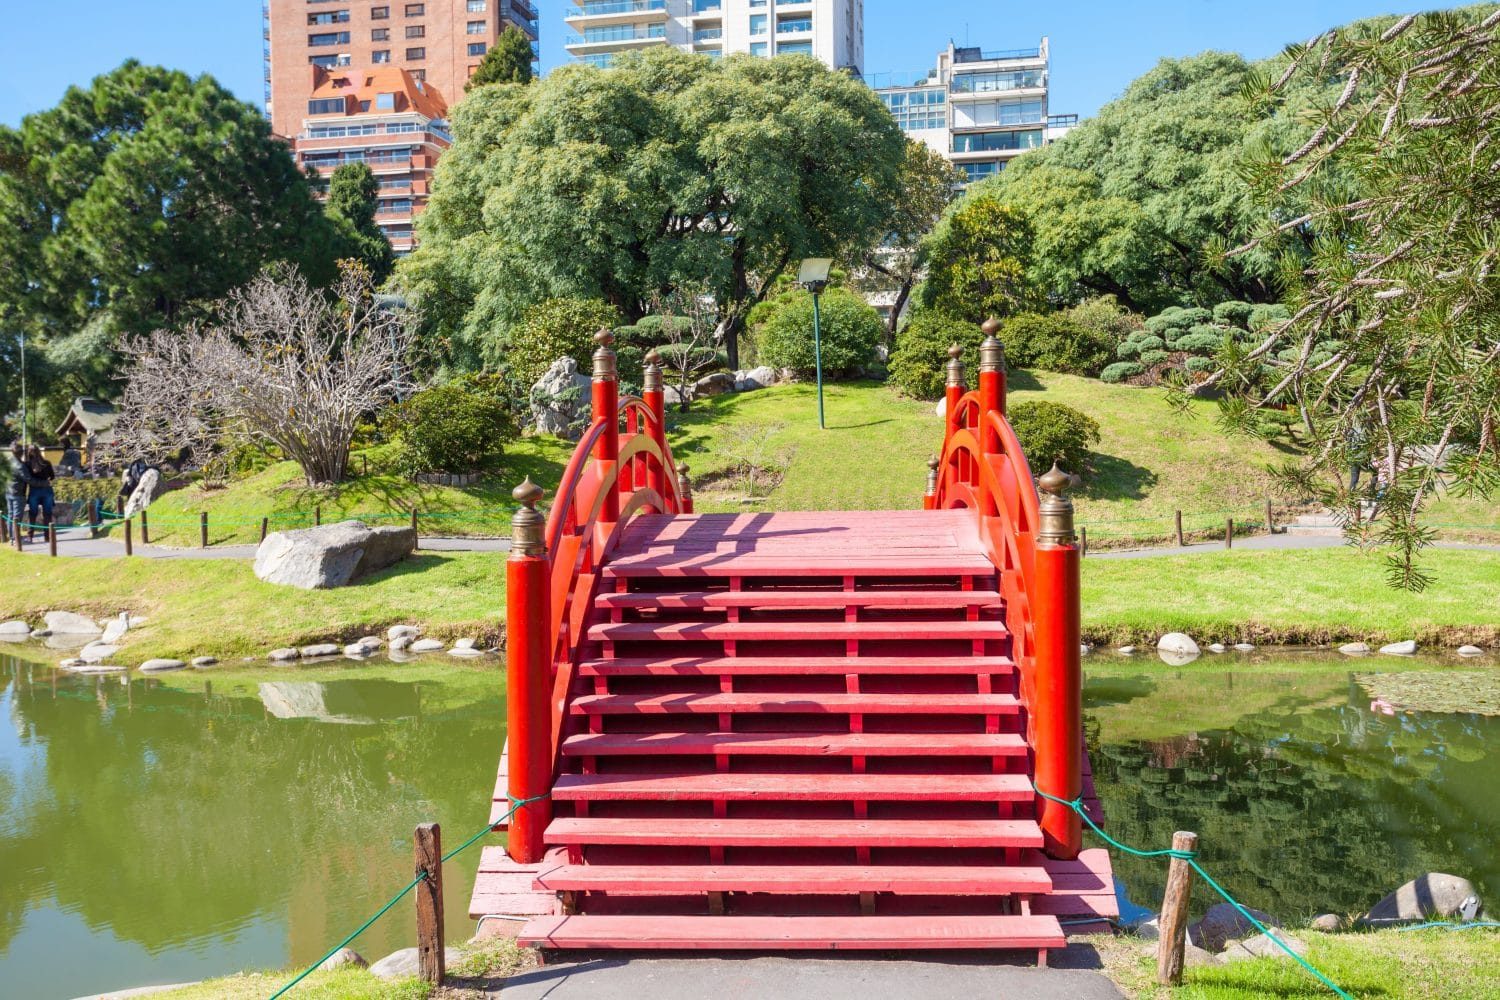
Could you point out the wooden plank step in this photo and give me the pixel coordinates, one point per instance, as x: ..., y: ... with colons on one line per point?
x: 795, y: 704
x: 663, y: 831
x: 804, y: 933
x: 719, y: 631
x: 730, y: 787
x: 658, y: 563
x: 797, y: 744
x: 909, y: 880
x: 712, y: 599
x: 717, y: 666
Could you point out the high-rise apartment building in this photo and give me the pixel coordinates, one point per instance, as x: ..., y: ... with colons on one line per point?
x: 831, y: 30
x: 979, y: 109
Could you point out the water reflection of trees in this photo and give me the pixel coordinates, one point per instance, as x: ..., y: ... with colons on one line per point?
x: 1304, y: 810
x: 171, y: 815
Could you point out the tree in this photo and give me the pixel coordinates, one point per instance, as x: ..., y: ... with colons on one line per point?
x: 350, y: 208
x: 978, y: 262
x: 132, y: 203
x: 926, y: 186
x: 850, y: 330
x: 667, y: 169
x: 507, y: 61
x: 280, y: 362
x: 1391, y: 354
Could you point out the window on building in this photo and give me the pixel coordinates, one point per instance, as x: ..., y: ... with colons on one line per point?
x: 416, y: 9
x: 970, y: 113
x: 412, y: 55
x: 478, y: 6
x: 760, y: 48
x: 380, y: 56
x: 326, y: 106
x: 380, y: 34
x: 328, y: 17
x: 416, y: 31
x: 385, y: 102
x: 758, y: 24
x: 793, y: 25
x: 794, y: 48
x: 979, y: 171
x: 329, y: 61
x: 987, y: 83
x: 477, y: 48
x: 328, y: 38
x: 379, y: 13
x: 419, y: 75
x: 980, y: 142
x: 476, y: 27
x: 915, y: 110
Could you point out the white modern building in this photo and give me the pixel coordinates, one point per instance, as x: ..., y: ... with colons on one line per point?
x: 831, y: 30
x: 980, y: 109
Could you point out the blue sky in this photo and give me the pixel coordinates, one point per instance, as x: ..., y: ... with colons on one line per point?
x: 1097, y: 47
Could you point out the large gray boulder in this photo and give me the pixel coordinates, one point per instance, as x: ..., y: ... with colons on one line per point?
x: 67, y: 623
x: 403, y: 963
x: 1261, y: 946
x: 332, y: 555
x: 1223, y: 923
x: 1434, y: 896
x: 754, y: 378
x: 560, y: 399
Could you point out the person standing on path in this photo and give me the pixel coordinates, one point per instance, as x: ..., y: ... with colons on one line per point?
x: 40, y: 499
x: 17, y: 482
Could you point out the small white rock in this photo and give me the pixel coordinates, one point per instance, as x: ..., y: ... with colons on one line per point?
x: 465, y: 651
x: 426, y: 646
x: 161, y: 666
x: 319, y: 649
x: 1128, y: 650
x: 1245, y: 647
x: 282, y: 655
x: 464, y: 643
x: 99, y: 668
x: 400, y: 642
x: 357, y: 651
x: 1354, y: 649
x: 371, y: 641
x: 97, y: 652
x: 115, y: 630
x: 14, y: 628
x: 1083, y: 649
x: 1178, y: 642
x: 1470, y: 651
x: 72, y: 663
x: 204, y: 661
x: 341, y: 958
x: 1405, y: 648
x: 1217, y: 647
x: 402, y: 631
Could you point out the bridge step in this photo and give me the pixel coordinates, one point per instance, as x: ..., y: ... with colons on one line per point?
x: 724, y: 599
x: 717, y: 666
x: 796, y: 704
x: 734, y: 787
x: 795, y: 630
x: 675, y: 831
x: 803, y: 932
x: 797, y: 744
x: 910, y: 880
x: 657, y: 563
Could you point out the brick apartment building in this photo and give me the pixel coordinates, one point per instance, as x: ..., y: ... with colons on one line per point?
x: 356, y: 80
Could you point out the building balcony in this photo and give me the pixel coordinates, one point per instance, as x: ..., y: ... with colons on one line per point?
x: 615, y: 38
x: 706, y: 10
x: 600, y: 13
x: 798, y: 27
x: 968, y: 56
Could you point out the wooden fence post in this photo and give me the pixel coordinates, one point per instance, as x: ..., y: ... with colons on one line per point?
x: 1172, y: 929
x: 318, y: 515
x: 416, y: 539
x: 1270, y: 524
x: 1180, y: 542
x: 265, y: 523
x: 52, y: 539
x: 428, y: 852
x: 1229, y: 533
x: 1083, y: 542
x: 93, y: 518
x: 4, y: 530
x: 129, y: 549
x: 203, y: 529
x: 145, y: 529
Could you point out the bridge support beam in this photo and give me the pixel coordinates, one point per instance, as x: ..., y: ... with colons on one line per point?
x: 606, y: 403
x: 528, y: 656
x: 1057, y: 714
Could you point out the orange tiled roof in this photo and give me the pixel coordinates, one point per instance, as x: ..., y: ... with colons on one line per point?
x: 362, y: 85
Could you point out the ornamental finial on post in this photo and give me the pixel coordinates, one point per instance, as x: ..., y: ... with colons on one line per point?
x: 1056, y: 509
x: 955, y: 365
x: 528, y: 526
x: 604, y: 356
x: 992, y: 351
x: 684, y: 484
x: 651, y: 373
x: 932, y: 475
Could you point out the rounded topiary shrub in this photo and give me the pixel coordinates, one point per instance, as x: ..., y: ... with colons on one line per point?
x: 1199, y: 343
x: 1052, y: 432
x: 1233, y: 313
x: 554, y: 329
x: 1121, y: 370
x: 1152, y: 358
x: 850, y: 331
x: 462, y: 426
x: 1054, y: 342
x: 1128, y: 348
x: 1263, y: 316
x: 1199, y: 364
x: 917, y: 365
x: 1150, y: 343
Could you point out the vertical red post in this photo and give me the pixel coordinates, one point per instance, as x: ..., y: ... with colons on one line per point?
x: 528, y: 655
x: 684, y: 489
x: 655, y: 398
x: 954, y: 391
x: 991, y: 400
x: 606, y: 399
x: 930, y: 498
x: 1057, y: 712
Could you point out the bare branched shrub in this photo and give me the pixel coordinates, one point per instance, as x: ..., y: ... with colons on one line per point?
x: 689, y: 351
x: 281, y: 364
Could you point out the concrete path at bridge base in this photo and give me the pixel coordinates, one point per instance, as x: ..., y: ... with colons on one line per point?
x: 637, y: 977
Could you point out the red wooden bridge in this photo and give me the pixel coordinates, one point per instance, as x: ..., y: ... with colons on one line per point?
x: 795, y: 730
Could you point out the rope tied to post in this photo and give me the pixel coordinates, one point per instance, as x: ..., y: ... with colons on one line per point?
x: 1191, y: 857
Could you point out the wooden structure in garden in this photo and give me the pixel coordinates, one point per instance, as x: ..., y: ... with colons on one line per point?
x: 808, y: 730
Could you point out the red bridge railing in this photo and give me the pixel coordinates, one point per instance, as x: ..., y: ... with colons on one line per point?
x: 622, y: 467
x: 1030, y: 540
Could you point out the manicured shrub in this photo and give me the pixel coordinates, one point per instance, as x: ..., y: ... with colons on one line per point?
x: 1128, y: 348
x: 1052, y: 432
x: 1262, y: 316
x: 1105, y: 318
x: 1054, y: 342
x: 850, y: 331
x: 1193, y: 315
x: 917, y: 363
x: 1200, y: 343
x: 1121, y: 370
x: 553, y: 329
x: 1151, y: 343
x: 461, y: 426
x: 1233, y: 313
x: 1199, y: 364
x: 1153, y: 358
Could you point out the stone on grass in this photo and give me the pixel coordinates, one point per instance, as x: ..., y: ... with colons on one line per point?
x: 1470, y: 651
x: 1083, y: 649
x: 161, y: 665
x: 341, y: 958
x: 99, y: 668
x: 357, y: 650
x: 1178, y: 642
x: 941, y: 409
x: 402, y: 632
x: 1245, y: 647
x: 426, y: 646
x: 319, y: 649
x: 1148, y: 929
x: 1217, y: 647
x: 204, y: 661
x: 714, y: 384
x: 403, y: 964
x: 1261, y: 946
x: 67, y: 622
x: 331, y: 555
x: 400, y: 642
x: 1127, y: 650
x: 115, y: 630
x: 1354, y: 649
x: 1328, y: 923
x: 755, y: 378
x: 14, y: 628
x: 1192, y: 955
x: 465, y: 651
x: 1404, y: 648
x: 41, y: 633
x: 282, y: 655
x: 560, y: 398
x: 465, y: 643
x: 1434, y: 896
x: 1224, y: 923
x: 97, y: 652
x: 72, y: 662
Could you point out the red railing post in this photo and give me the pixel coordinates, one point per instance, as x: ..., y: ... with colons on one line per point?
x: 991, y: 400
x: 606, y: 399
x: 955, y: 392
x: 684, y: 489
x: 655, y: 398
x: 528, y: 663
x: 930, y: 498
x: 1057, y: 705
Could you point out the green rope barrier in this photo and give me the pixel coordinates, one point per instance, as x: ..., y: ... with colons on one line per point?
x: 515, y: 806
x: 1191, y: 858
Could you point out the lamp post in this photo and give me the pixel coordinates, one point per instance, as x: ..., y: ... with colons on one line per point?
x: 813, y: 276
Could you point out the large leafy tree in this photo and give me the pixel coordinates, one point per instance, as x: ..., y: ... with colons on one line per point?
x: 132, y: 202
x: 1391, y: 355
x: 624, y: 183
x: 507, y: 61
x: 352, y: 194
x: 979, y: 261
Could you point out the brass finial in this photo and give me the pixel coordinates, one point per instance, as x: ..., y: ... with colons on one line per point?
x: 955, y: 365
x: 604, y: 357
x: 992, y: 351
x: 1056, y: 509
x: 684, y: 484
x: 932, y: 475
x: 651, y: 374
x: 528, y: 526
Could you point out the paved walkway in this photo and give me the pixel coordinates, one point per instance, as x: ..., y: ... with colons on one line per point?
x: 1260, y: 543
x: 797, y: 978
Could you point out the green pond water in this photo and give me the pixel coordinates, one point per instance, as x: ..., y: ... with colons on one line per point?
x: 195, y: 824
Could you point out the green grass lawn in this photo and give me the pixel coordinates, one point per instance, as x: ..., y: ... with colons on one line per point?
x: 218, y: 607
x: 1301, y: 596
